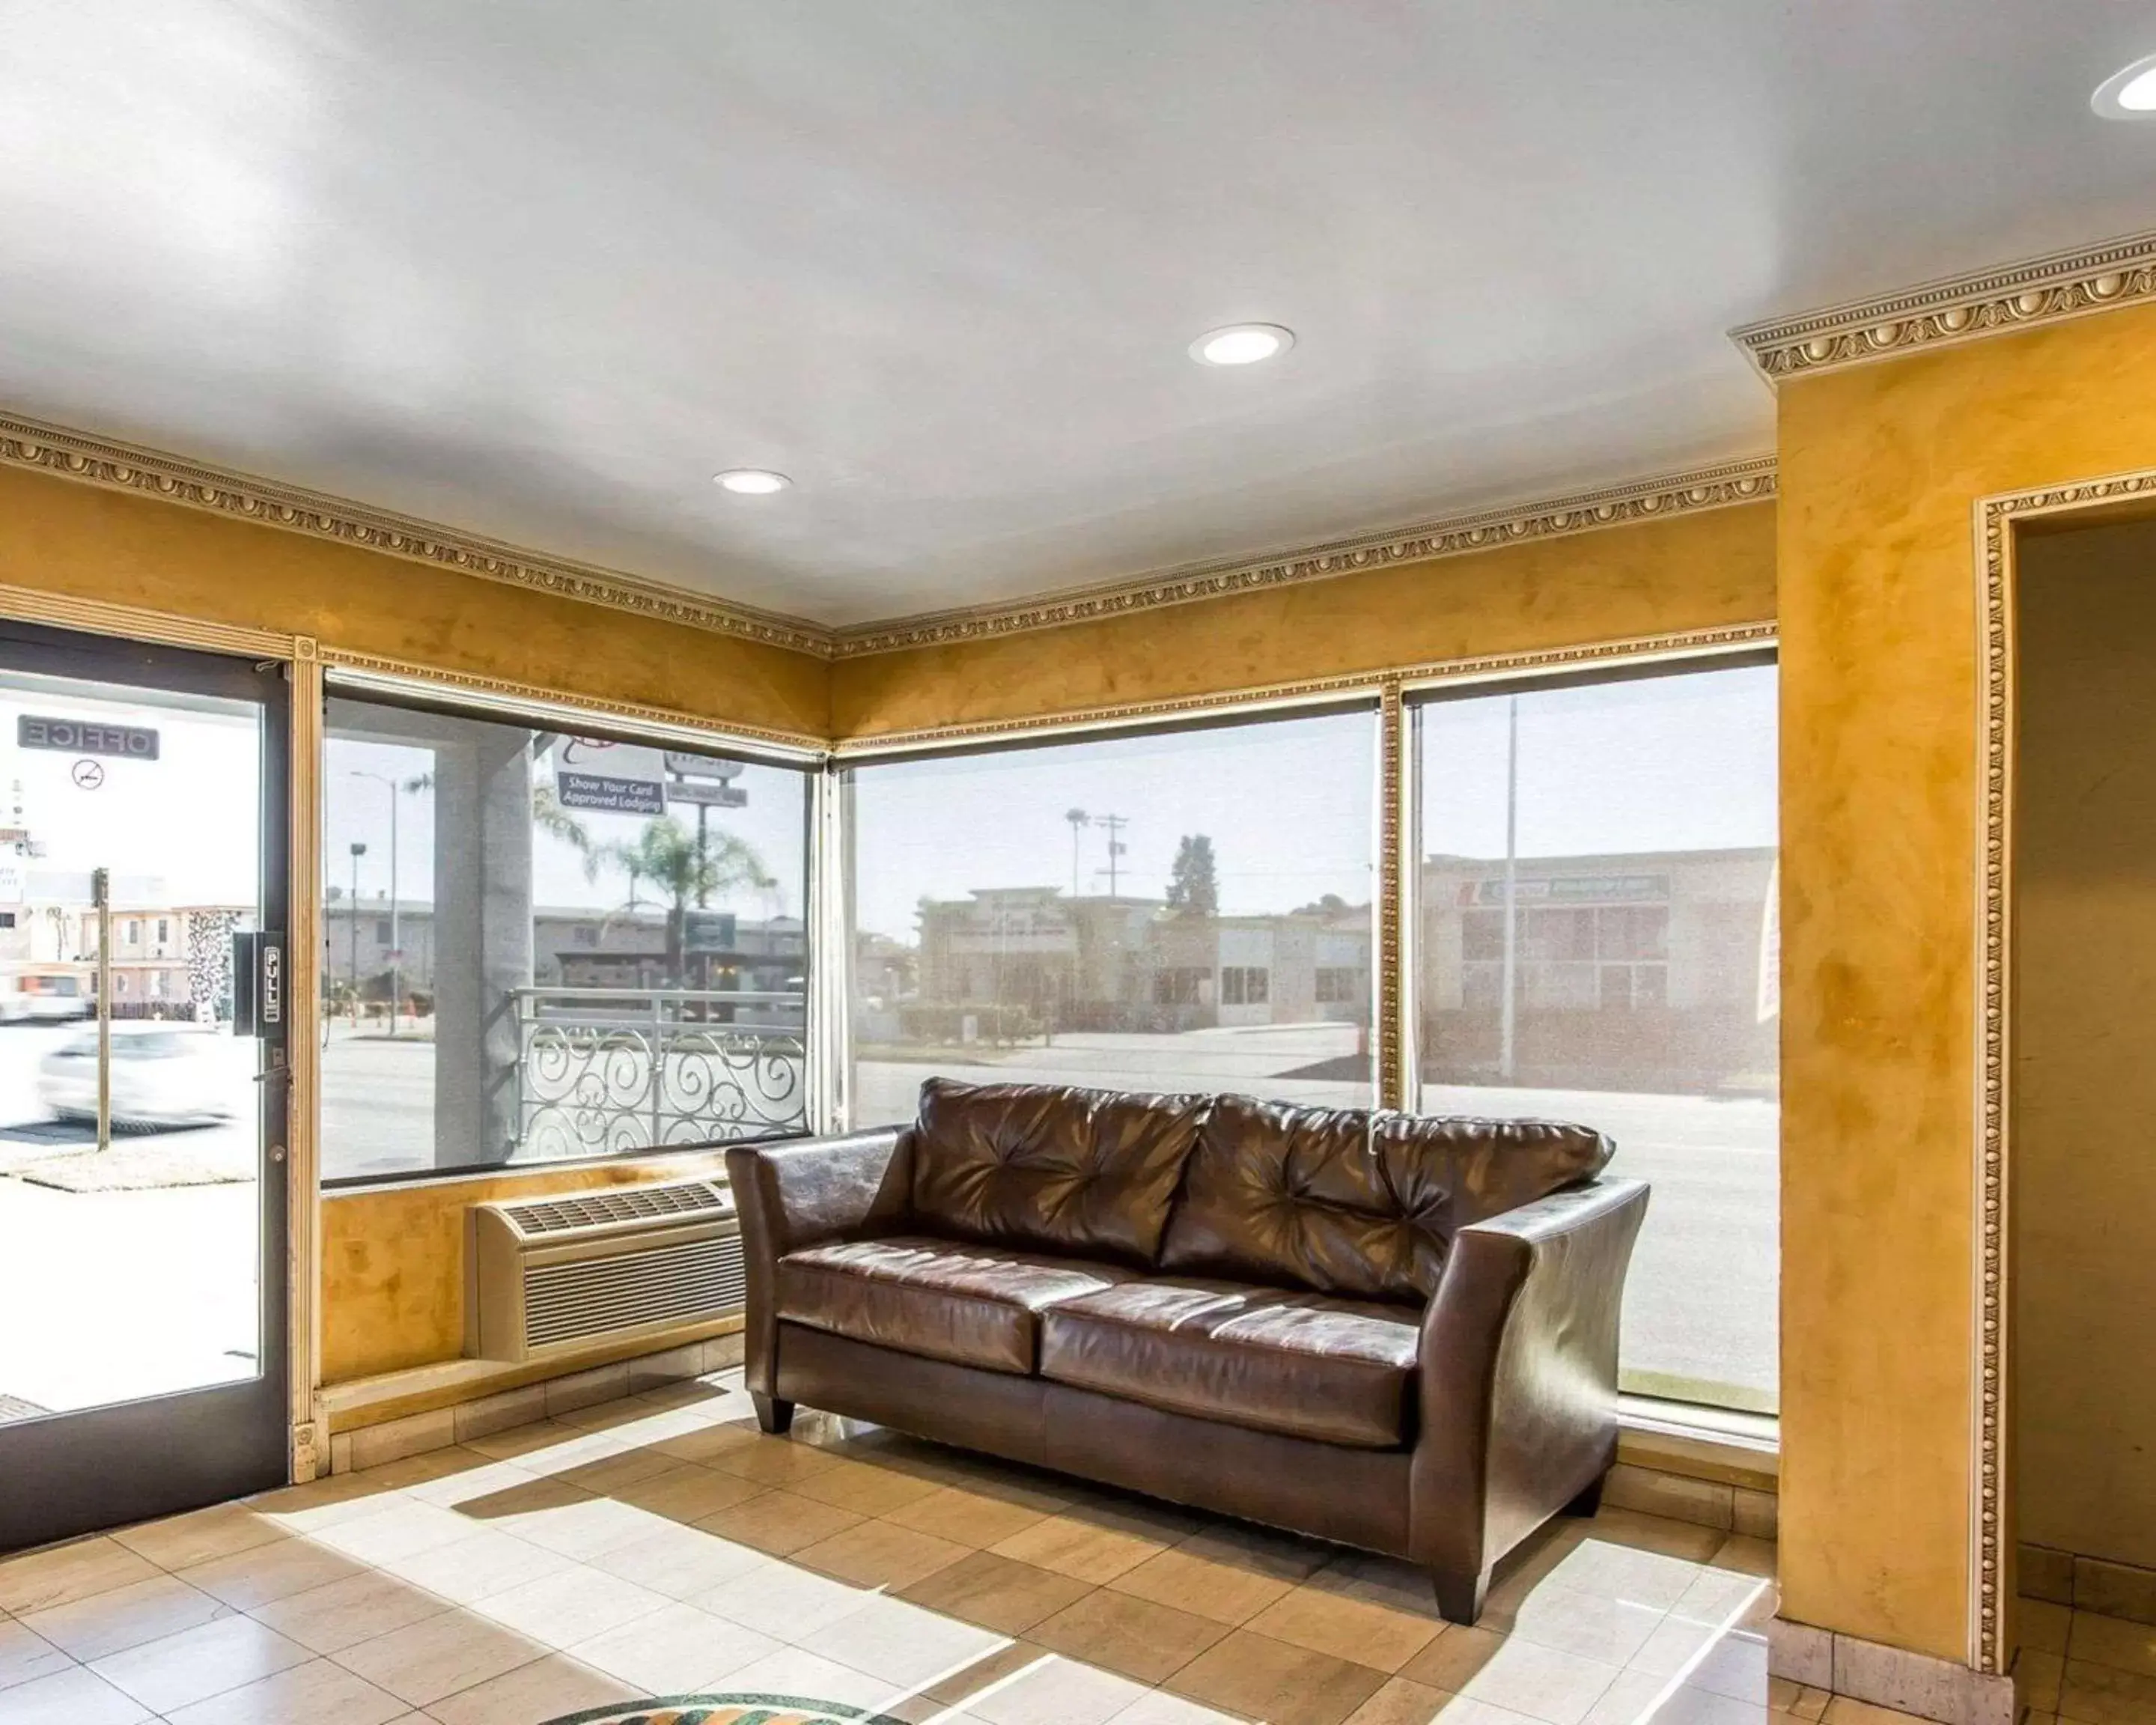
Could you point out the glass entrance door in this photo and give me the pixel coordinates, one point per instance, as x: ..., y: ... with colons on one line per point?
x: 143, y: 856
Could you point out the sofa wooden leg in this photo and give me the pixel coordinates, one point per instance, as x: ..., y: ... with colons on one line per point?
x: 1589, y: 1500
x: 1459, y: 1595
x: 774, y: 1414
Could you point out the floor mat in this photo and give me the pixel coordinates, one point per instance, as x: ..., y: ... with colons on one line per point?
x: 725, y: 1710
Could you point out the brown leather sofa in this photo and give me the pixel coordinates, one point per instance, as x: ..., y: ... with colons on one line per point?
x: 1395, y: 1332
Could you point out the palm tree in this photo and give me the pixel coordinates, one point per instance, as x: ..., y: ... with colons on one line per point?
x: 685, y: 868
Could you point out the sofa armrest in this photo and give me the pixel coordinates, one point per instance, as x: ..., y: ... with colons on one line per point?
x: 1518, y: 1359
x: 802, y: 1193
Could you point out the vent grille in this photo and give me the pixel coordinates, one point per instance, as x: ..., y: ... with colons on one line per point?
x: 632, y: 1203
x: 683, y: 1283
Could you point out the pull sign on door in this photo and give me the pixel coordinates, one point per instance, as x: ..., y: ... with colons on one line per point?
x: 258, y: 983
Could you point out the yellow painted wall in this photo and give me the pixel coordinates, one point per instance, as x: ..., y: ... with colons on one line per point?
x: 2083, y: 1167
x: 1880, y: 468
x: 1690, y: 572
x: 65, y: 536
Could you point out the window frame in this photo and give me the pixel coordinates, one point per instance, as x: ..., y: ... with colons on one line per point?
x: 429, y: 696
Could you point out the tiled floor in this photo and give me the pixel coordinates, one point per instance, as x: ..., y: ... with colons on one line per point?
x: 661, y: 1546
x: 2091, y: 1669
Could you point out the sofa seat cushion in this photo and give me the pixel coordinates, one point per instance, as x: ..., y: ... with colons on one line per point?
x: 948, y: 1299
x: 1307, y: 1365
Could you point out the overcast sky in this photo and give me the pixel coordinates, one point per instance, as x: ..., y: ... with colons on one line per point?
x: 1679, y: 762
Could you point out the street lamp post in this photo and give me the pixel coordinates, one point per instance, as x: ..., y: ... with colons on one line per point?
x: 358, y: 850
x: 396, y: 939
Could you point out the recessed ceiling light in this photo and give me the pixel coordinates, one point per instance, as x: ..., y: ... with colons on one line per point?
x: 2129, y: 93
x: 751, y: 481
x: 1241, y: 344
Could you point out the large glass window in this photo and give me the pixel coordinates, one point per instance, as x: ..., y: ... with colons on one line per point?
x: 1596, y: 942
x: 541, y: 946
x: 1189, y: 910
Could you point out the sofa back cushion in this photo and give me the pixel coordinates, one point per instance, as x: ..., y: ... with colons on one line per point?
x: 1051, y: 1167
x: 1356, y: 1204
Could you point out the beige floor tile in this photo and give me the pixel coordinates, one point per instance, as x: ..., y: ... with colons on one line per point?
x: 684, y: 1491
x: 880, y: 1554
x: 1661, y: 1534
x: 574, y: 1523
x: 1159, y: 1707
x: 1228, y: 1593
x: 1642, y: 1576
x: 606, y: 1475
x: 1629, y: 1697
x: 867, y: 1489
x: 1055, y: 1691
x: 1676, y: 1643
x: 430, y: 1467
x: 2043, y: 1626
x: 1396, y: 1585
x: 1848, y: 1710
x: 60, y: 1573
x: 1327, y: 1621
x: 675, y: 1650
x: 438, y: 1656
x: 774, y: 1461
x: 1545, y: 1683
x: 401, y: 1530
x: 706, y: 1445
x: 2105, y: 1641
x: 480, y: 1565
x: 2038, y: 1678
x: 77, y: 1695
x: 959, y: 1686
x: 966, y: 1515
x: 1800, y: 1700
x: 1719, y: 1596
x: 26, y: 1655
x: 1594, y: 1624
x: 1265, y: 1679
x: 548, y: 1447
x: 902, y: 1643
x: 1259, y: 1551
x: 319, y: 1503
x: 571, y: 1604
x: 2104, y: 1695
x: 207, y: 1660
x: 795, y: 1670
x: 679, y: 1561
x: 126, y: 1617
x: 255, y: 1576
x: 180, y: 1542
x: 781, y: 1600
x: 317, y: 1691
x: 473, y: 1490
x: 1401, y: 1702
x: 531, y: 1694
x: 779, y: 1521
x: 996, y: 1593
x: 1071, y: 1545
x: 1735, y: 1666
x: 1121, y: 1632
x: 325, y: 1620
x: 1742, y: 1555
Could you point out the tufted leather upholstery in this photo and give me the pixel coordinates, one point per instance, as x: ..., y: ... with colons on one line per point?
x: 1339, y: 1371
x: 1349, y: 1202
x: 976, y: 1307
x: 1051, y: 1167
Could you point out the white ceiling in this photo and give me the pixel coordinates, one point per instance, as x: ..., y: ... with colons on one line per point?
x: 536, y: 268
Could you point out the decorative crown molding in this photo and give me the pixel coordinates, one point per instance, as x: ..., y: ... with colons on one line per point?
x: 1959, y: 308
x: 1731, y: 482
x: 71, y: 455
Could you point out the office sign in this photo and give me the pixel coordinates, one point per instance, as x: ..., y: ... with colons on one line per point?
x: 610, y: 777
x: 84, y: 737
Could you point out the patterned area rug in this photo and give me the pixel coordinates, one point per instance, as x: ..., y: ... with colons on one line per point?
x: 727, y: 1710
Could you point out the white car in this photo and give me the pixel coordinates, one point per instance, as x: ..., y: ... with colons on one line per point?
x: 44, y: 996
x: 160, y: 1077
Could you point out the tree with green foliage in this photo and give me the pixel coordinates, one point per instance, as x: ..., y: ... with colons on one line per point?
x: 1194, y: 885
x: 685, y: 868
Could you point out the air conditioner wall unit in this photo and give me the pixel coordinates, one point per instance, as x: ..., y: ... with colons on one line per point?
x: 550, y: 1277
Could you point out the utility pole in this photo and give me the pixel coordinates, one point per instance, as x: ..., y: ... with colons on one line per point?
x: 358, y: 850
x: 1114, y: 823
x: 1507, y: 1020
x: 396, y: 937
x: 1079, y: 820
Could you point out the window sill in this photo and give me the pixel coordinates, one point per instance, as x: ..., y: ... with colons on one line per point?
x: 1714, y: 1444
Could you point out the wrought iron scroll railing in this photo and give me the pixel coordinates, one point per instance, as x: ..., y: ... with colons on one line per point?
x: 602, y: 1072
